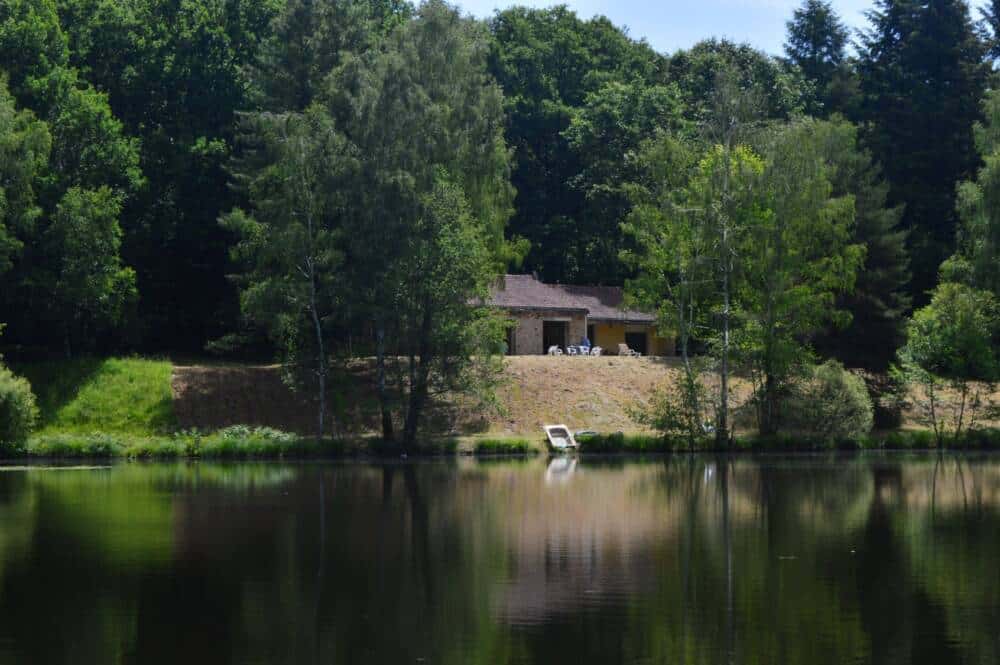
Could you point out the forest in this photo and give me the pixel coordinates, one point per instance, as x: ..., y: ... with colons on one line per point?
x: 324, y: 179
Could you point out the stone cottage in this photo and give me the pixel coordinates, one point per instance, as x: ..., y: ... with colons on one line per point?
x: 559, y: 314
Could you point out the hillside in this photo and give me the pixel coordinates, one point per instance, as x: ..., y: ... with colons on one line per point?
x: 584, y: 393
x: 151, y: 397
x: 109, y: 395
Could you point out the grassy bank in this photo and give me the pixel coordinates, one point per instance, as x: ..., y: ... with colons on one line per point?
x: 119, y: 396
x: 245, y: 443
x: 982, y: 439
x: 506, y: 446
x: 124, y: 408
x: 231, y: 443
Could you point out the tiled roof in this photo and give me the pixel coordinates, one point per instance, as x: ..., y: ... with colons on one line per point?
x: 601, y: 303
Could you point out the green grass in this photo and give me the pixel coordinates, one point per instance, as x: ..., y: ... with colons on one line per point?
x: 980, y: 439
x: 112, y: 396
x: 242, y: 442
x: 505, y: 446
x: 123, y: 408
x: 625, y: 443
x: 238, y: 442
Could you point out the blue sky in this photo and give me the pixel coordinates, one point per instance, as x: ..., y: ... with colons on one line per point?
x: 669, y: 25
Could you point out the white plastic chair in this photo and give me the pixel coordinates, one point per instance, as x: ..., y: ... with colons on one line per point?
x: 555, y: 351
x: 596, y: 351
x: 623, y: 350
x: 572, y: 351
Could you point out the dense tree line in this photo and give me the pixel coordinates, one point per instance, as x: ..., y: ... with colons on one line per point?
x: 331, y: 177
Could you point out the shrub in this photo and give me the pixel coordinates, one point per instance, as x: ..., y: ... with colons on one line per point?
x: 620, y: 442
x: 248, y: 432
x: 981, y: 439
x: 888, y: 395
x: 18, y: 411
x: 831, y: 406
x: 678, y: 411
x: 78, y: 445
x: 384, y: 448
x: 950, y: 344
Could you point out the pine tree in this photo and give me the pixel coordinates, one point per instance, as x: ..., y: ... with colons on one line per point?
x: 923, y: 77
x: 817, y: 43
x: 879, y: 301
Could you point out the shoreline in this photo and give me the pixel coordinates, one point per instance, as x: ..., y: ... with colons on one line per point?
x: 262, y: 444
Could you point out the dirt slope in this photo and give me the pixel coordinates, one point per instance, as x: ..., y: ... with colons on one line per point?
x: 583, y: 392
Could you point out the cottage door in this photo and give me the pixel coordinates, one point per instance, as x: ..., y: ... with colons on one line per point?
x: 637, y: 342
x: 553, y: 334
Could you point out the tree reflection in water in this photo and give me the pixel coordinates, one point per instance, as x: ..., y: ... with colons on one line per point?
x: 872, y: 559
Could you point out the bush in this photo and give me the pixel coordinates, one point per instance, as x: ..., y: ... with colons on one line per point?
x: 78, y: 445
x: 18, y: 411
x: 384, y: 448
x: 831, y: 406
x: 620, y: 442
x: 678, y: 411
x: 259, y: 443
x: 888, y: 395
x: 248, y: 432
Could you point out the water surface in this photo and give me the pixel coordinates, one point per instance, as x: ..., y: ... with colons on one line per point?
x: 813, y: 560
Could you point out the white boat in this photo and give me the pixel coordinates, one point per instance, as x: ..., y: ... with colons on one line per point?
x: 560, y: 438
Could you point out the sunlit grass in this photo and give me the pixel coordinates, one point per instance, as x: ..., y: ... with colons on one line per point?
x: 231, y: 443
x: 113, y: 395
x: 505, y: 446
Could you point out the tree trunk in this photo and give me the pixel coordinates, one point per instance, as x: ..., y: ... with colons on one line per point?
x: 961, y: 411
x: 321, y: 361
x: 418, y: 383
x: 695, y: 429
x: 767, y: 423
x: 722, y: 426
x: 418, y: 399
x: 388, y: 435
x: 932, y: 398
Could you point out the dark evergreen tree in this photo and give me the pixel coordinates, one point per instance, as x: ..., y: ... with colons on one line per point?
x: 816, y: 40
x: 817, y: 44
x: 923, y: 79
x: 879, y: 301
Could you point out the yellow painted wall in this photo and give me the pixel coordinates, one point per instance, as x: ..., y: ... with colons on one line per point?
x: 609, y: 335
x: 663, y: 346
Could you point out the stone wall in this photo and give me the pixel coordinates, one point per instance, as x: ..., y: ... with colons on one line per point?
x: 528, y: 336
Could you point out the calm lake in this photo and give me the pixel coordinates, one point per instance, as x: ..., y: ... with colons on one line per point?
x: 870, y: 559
